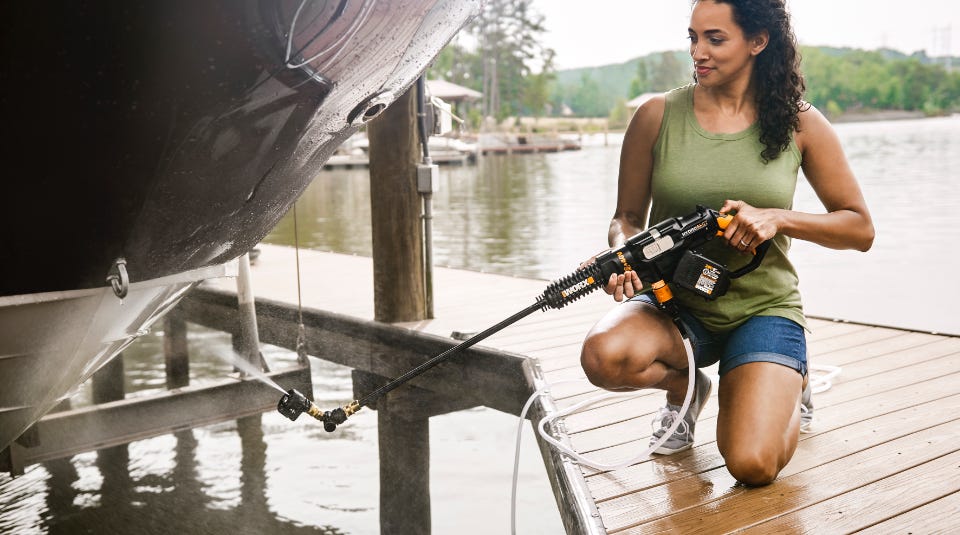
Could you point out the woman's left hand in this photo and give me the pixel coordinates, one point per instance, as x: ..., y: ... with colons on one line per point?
x: 750, y: 226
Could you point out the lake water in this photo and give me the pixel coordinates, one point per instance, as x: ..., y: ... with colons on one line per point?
x: 532, y: 216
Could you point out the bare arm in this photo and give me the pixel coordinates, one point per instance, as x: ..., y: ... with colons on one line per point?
x: 636, y: 167
x: 846, y: 224
x: 633, y: 188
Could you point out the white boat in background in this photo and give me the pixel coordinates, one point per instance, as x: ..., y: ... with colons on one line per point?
x: 444, y: 150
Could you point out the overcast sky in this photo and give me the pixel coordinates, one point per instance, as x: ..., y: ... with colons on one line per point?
x: 600, y: 32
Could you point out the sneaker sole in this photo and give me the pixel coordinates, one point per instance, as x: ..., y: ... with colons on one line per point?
x: 663, y: 450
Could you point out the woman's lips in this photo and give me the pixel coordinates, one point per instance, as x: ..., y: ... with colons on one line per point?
x: 703, y: 71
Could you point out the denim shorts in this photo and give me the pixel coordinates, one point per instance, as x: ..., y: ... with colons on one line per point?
x: 759, y: 339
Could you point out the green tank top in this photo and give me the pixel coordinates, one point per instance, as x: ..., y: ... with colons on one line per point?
x: 692, y: 166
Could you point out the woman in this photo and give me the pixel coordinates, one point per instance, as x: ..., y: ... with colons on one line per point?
x: 735, y: 139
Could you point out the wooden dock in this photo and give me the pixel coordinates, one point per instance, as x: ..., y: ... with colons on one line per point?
x: 362, y: 161
x: 884, y: 456
x: 517, y: 148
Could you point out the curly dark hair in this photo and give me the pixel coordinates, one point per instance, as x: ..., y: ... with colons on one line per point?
x: 777, y: 78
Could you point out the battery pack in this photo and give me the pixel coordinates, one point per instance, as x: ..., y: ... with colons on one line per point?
x: 701, y: 275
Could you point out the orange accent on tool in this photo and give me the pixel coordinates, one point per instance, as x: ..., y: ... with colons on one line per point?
x: 723, y: 222
x: 661, y: 291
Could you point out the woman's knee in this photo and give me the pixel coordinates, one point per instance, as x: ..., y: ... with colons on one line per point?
x: 620, y: 350
x: 613, y: 362
x: 601, y: 358
x: 753, y: 467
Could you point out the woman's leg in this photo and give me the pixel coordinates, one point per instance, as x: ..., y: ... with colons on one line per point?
x: 759, y: 420
x: 636, y: 346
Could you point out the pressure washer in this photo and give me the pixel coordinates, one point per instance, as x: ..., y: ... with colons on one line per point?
x: 665, y: 253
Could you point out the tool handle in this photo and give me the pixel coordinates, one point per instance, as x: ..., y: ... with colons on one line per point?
x: 758, y: 254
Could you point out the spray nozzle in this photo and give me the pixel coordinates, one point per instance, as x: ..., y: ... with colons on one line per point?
x: 293, y: 404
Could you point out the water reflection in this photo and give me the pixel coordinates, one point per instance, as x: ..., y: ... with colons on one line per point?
x: 175, y: 501
x: 518, y: 215
x: 252, y: 475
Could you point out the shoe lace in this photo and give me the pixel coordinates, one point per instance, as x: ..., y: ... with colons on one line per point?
x: 664, y: 420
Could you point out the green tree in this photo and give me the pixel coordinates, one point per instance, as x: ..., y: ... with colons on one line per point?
x: 619, y: 114
x: 841, y: 80
x: 537, y: 87
x: 669, y: 73
x: 508, y: 33
x: 586, y: 100
x: 641, y: 82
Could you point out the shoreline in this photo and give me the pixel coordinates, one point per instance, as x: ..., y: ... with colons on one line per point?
x: 590, y: 125
x: 878, y: 115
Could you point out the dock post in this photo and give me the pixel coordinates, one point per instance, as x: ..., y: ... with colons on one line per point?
x: 404, y: 446
x: 395, y: 205
x: 108, y: 381
x: 399, y: 294
x: 403, y: 431
x: 114, y: 460
x: 175, y: 356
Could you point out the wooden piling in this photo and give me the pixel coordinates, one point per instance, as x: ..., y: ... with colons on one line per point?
x: 398, y: 271
x: 404, y: 470
x: 175, y: 356
x: 112, y: 461
x: 108, y: 381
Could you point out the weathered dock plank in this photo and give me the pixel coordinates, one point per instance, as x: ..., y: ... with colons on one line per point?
x: 931, y: 517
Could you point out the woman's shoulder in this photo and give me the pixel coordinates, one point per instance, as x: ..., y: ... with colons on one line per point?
x: 649, y: 117
x: 813, y: 125
x: 650, y: 114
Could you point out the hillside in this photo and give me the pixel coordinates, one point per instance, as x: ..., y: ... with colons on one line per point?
x: 594, y: 91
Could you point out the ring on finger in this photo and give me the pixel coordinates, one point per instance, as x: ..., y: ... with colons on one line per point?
x: 745, y: 244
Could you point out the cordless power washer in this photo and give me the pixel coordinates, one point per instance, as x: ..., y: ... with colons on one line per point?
x: 664, y: 253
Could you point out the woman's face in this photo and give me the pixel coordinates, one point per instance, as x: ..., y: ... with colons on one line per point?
x: 721, y: 52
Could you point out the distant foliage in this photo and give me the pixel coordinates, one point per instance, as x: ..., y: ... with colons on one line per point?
x: 505, y: 60
x: 838, y: 81
x: 852, y: 80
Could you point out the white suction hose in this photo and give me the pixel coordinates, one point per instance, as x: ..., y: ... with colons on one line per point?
x: 819, y: 383
x: 566, y: 449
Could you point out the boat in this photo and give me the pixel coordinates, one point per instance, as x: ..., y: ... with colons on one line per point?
x: 151, y: 144
x: 526, y: 143
x: 444, y: 150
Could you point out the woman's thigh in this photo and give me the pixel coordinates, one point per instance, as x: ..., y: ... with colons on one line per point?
x: 759, y: 420
x: 761, y: 372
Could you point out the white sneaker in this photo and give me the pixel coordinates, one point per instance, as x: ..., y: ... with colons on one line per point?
x: 682, y: 438
x: 806, y: 409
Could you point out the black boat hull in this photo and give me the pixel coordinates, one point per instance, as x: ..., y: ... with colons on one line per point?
x: 173, y: 134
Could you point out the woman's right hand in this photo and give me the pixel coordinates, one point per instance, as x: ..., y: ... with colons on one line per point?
x: 625, y: 285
